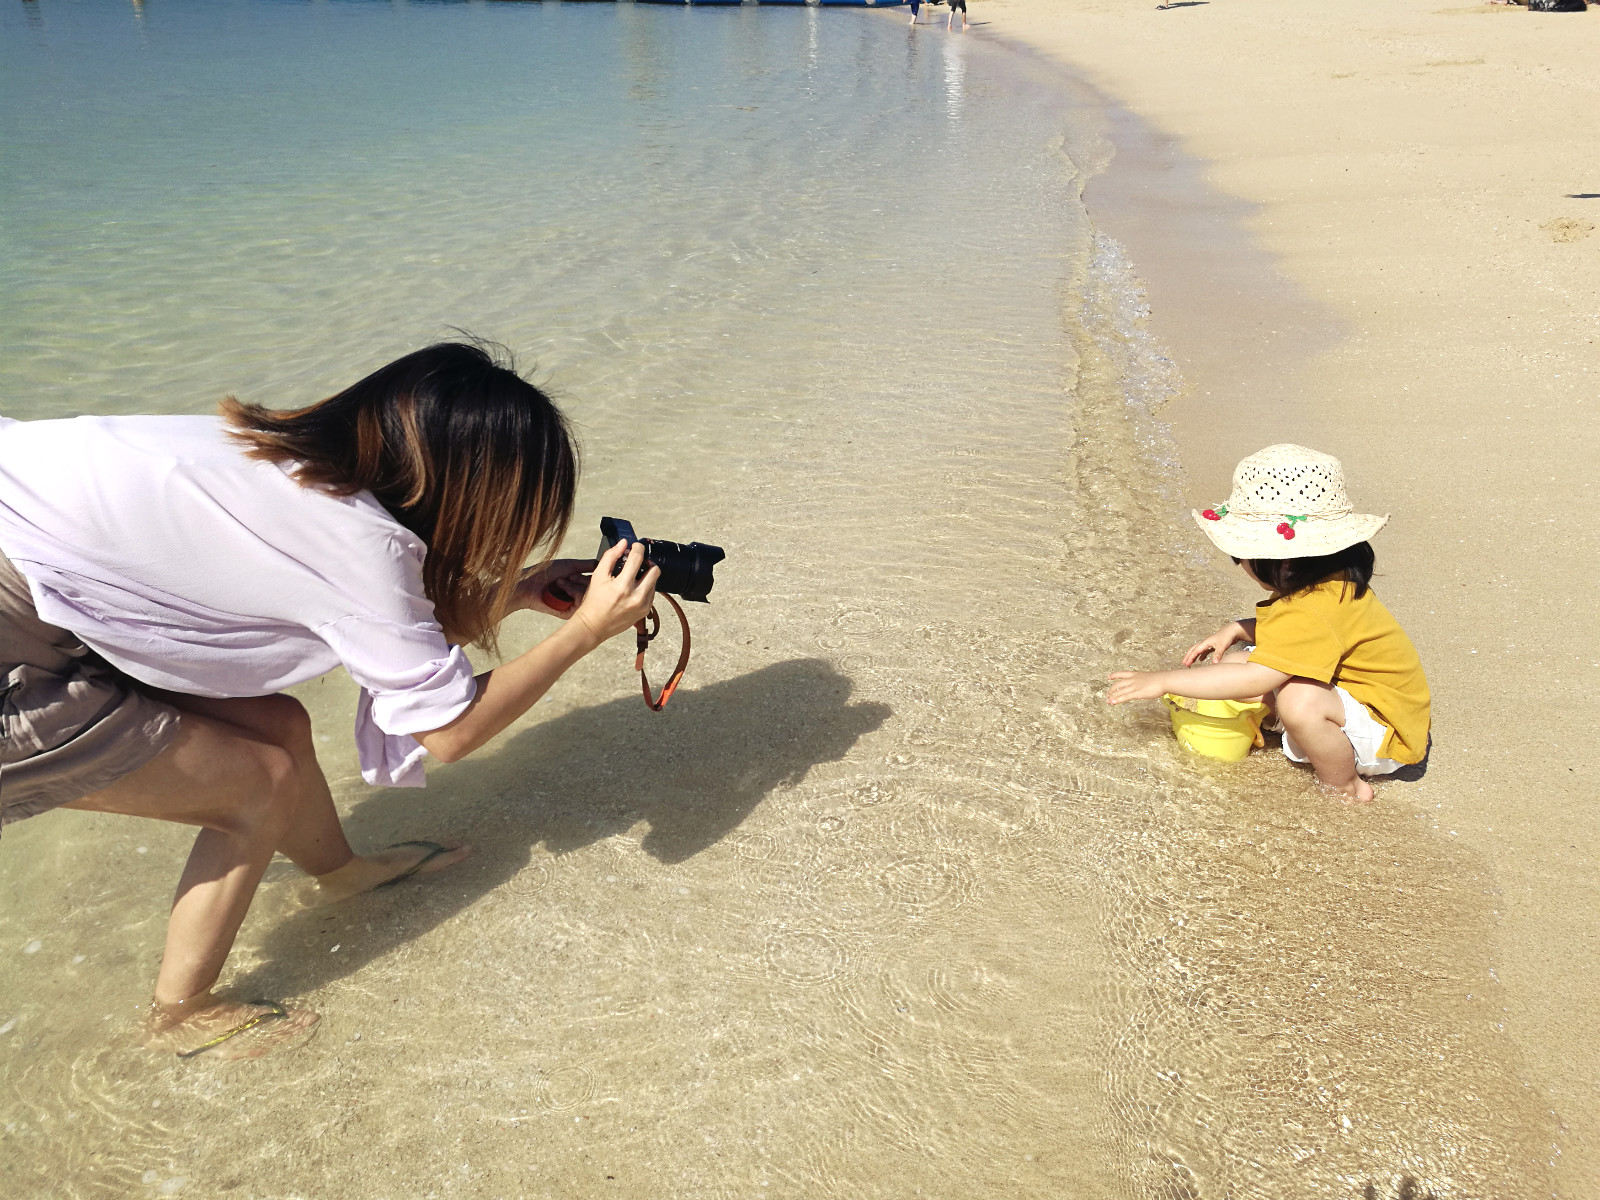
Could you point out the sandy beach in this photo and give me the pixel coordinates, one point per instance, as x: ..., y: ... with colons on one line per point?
x: 1422, y: 178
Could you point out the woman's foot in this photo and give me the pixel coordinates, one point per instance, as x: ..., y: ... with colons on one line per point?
x: 225, y: 1029
x: 367, y: 871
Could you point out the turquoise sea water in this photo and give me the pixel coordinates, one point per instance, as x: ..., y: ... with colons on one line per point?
x: 198, y: 196
x: 886, y: 904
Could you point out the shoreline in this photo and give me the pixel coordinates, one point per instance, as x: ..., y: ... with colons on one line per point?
x: 1371, y: 244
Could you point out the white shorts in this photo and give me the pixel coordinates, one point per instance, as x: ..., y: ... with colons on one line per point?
x: 1366, y: 736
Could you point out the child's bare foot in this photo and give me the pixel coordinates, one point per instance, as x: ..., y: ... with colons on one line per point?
x: 226, y: 1029
x: 401, y: 861
x: 1357, y: 791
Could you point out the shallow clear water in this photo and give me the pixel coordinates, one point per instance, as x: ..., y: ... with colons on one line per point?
x: 887, y: 903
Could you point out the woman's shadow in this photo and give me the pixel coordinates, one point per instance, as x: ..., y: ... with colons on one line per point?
x: 693, y: 773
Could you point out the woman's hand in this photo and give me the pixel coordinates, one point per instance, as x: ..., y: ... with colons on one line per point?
x: 565, y: 578
x: 1217, y: 644
x: 1136, y: 685
x: 617, y: 600
x: 611, y: 603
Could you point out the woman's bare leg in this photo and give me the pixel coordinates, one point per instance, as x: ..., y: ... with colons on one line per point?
x: 243, y: 792
x: 246, y: 772
x: 314, y: 841
x: 1313, y: 715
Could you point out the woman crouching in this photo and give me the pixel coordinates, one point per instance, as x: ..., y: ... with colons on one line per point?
x: 164, y: 578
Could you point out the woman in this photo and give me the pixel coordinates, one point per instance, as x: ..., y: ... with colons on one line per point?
x: 164, y: 578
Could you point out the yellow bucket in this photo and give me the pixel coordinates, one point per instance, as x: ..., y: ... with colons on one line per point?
x: 1222, y: 729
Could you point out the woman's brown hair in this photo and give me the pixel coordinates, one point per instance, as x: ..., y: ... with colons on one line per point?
x: 464, y: 452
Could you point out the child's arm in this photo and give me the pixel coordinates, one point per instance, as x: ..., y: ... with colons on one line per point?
x: 1217, y: 644
x: 1212, y: 681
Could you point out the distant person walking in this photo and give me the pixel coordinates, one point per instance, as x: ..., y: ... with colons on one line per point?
x: 950, y: 20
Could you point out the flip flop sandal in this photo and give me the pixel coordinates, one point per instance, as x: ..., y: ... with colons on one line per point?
x: 433, y: 851
x: 276, y: 1012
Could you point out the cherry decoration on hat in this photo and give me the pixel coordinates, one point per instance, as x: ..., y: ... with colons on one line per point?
x: 1253, y: 522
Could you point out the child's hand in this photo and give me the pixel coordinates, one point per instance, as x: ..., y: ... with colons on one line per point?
x: 1217, y: 644
x: 1136, y: 685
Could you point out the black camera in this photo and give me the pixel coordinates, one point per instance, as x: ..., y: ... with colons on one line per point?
x: 685, y: 570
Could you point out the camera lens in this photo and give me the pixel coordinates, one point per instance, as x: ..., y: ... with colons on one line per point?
x: 686, y: 570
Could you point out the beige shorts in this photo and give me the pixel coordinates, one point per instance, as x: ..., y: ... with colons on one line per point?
x: 70, y: 723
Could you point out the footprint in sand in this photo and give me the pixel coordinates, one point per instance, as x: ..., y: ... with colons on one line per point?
x: 1568, y: 229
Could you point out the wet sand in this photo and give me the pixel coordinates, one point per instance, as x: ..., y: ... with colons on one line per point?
x: 1422, y: 178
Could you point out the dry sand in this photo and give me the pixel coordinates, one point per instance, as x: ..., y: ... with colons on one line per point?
x: 1425, y: 179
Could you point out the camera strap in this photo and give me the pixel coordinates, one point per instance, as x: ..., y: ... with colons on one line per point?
x: 647, y: 630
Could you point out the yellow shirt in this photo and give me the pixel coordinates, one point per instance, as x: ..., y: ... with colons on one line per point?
x: 1325, y: 633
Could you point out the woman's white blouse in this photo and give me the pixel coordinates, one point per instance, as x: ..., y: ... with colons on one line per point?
x: 194, y: 568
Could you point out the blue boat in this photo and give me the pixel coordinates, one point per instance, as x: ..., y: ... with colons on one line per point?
x: 701, y: 3
x: 785, y: 1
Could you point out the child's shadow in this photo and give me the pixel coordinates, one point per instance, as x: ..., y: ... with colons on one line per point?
x: 693, y: 773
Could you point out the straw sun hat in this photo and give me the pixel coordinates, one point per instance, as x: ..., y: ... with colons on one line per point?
x: 1287, y: 502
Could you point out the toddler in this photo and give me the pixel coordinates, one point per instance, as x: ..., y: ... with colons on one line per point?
x: 1342, y: 676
